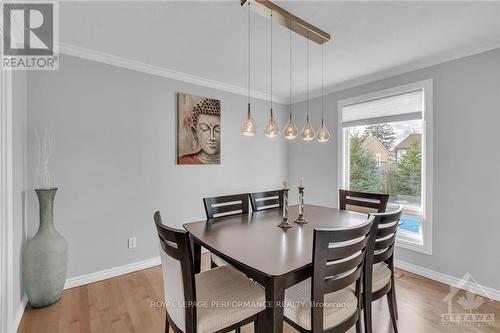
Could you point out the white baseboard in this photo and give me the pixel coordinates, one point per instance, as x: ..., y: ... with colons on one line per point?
x: 115, y: 271
x: 111, y: 272
x: 418, y: 270
x: 449, y: 280
x: 19, y: 314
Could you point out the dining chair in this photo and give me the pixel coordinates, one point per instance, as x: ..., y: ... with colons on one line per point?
x: 326, y: 302
x: 266, y: 200
x: 379, y: 266
x: 363, y: 202
x: 217, y: 300
x: 226, y: 205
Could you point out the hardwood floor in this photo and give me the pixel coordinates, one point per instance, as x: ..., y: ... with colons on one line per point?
x: 132, y: 303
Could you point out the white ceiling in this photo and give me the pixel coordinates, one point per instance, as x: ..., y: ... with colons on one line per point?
x: 208, y: 39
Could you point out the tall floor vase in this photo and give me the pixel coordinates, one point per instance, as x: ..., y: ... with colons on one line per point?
x: 45, y: 257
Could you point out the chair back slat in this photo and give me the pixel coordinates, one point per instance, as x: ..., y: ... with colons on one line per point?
x: 164, y: 232
x: 341, y: 252
x: 226, y: 205
x: 385, y: 243
x: 338, y: 283
x: 334, y: 268
x: 266, y: 200
x: 236, y: 208
x: 170, y: 250
x: 383, y: 255
x: 338, y: 259
x: 177, y: 258
x: 363, y: 202
x: 387, y: 229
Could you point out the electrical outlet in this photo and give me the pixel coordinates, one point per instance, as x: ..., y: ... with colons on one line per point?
x: 132, y: 242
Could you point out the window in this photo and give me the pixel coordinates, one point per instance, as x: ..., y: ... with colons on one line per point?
x: 386, y: 148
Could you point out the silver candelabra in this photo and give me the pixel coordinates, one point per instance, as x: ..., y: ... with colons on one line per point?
x: 301, y: 219
x: 284, y: 223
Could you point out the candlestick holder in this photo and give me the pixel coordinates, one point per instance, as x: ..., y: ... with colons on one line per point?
x: 284, y: 223
x: 301, y: 219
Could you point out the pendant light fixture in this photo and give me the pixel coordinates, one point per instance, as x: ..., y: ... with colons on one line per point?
x: 248, y: 126
x: 323, y: 134
x: 272, y: 129
x: 307, y: 133
x: 290, y: 131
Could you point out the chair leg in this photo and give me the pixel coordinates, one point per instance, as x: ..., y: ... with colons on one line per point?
x: 367, y: 313
x: 238, y: 330
x: 390, y: 301
x: 358, y: 326
x: 167, y: 326
x: 394, y: 299
x: 212, y: 264
x: 256, y: 324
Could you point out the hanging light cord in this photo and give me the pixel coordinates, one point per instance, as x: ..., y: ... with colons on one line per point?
x: 271, y: 61
x: 248, y: 51
x: 290, y: 101
x: 322, y: 81
x: 307, y: 81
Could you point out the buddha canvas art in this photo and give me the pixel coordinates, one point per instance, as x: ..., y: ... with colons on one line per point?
x: 198, y: 129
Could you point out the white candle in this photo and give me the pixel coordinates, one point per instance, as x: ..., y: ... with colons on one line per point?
x: 285, y: 184
x: 301, y: 182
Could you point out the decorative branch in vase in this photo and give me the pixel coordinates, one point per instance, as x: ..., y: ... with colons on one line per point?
x: 45, y: 256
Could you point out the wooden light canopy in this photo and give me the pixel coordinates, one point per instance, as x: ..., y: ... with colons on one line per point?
x: 288, y: 20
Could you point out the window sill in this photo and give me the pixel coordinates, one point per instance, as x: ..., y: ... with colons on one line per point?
x: 412, y: 242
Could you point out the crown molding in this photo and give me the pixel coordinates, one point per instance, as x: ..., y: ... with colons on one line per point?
x: 109, y: 59
x: 409, y: 67
x: 106, y: 58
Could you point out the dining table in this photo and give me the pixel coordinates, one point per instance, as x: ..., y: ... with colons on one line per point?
x: 275, y: 258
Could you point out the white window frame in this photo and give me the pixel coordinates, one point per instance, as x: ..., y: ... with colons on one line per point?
x: 6, y: 204
x: 404, y: 239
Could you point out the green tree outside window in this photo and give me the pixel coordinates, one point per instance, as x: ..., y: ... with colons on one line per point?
x: 364, y: 173
x: 408, y: 175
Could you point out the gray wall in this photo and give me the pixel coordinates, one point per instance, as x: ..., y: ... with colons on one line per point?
x: 19, y: 109
x: 115, y: 153
x: 466, y: 164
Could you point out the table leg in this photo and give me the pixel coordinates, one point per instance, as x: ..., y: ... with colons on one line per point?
x: 275, y: 296
x: 196, y: 256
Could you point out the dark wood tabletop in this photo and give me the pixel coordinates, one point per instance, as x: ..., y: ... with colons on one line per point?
x: 256, y: 241
x: 274, y: 257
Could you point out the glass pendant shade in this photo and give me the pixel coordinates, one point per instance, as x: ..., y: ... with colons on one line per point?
x: 307, y: 133
x: 248, y: 127
x: 272, y: 129
x: 290, y: 131
x: 323, y: 134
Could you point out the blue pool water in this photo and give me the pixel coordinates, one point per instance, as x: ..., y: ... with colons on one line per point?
x: 410, y: 224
